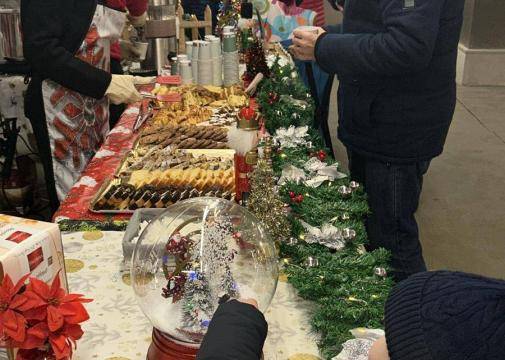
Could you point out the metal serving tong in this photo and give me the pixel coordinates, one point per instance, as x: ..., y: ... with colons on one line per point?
x: 144, y: 114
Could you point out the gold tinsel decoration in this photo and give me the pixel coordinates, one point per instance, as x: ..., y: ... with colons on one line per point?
x: 266, y: 204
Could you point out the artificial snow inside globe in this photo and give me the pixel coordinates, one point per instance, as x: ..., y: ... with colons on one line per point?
x: 194, y: 255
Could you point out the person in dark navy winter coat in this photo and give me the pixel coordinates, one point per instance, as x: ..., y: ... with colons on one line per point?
x: 237, y: 332
x: 396, y: 62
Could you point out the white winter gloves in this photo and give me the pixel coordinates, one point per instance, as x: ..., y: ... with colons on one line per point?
x: 122, y: 88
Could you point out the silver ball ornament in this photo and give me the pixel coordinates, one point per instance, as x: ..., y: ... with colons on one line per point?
x: 312, y: 262
x: 354, y: 185
x: 292, y: 241
x: 348, y: 234
x: 344, y: 190
x: 381, y: 272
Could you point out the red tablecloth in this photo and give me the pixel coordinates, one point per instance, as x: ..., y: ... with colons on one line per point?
x: 102, y: 167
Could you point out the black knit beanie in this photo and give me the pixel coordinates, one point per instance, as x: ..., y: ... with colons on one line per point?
x: 446, y: 315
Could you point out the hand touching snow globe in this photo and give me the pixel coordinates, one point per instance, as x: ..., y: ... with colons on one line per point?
x: 198, y: 253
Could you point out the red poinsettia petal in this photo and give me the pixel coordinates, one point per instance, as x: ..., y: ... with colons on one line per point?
x: 7, y: 283
x: 75, y: 312
x: 38, y: 313
x: 18, y: 301
x: 75, y: 297
x: 32, y: 301
x: 39, y: 287
x: 36, y: 337
x: 14, y: 325
x: 56, y: 286
x: 60, y: 346
x: 55, y: 319
x: 73, y: 331
x: 39, y: 330
x: 20, y: 284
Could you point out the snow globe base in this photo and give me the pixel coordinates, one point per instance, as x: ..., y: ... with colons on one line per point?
x: 165, y: 347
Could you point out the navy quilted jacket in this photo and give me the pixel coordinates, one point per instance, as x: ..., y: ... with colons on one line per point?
x: 396, y: 62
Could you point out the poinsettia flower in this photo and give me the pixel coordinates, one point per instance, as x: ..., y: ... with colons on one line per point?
x: 57, y: 307
x: 36, y: 337
x: 52, y: 345
x: 63, y: 341
x: 12, y: 322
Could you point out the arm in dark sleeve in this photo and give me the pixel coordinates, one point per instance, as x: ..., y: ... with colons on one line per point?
x: 333, y: 29
x: 237, y: 332
x: 406, y: 46
x: 42, y: 31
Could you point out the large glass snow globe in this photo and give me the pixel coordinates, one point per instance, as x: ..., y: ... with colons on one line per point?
x: 196, y: 254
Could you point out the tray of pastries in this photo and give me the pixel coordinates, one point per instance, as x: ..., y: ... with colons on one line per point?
x: 157, y: 178
x: 184, y: 137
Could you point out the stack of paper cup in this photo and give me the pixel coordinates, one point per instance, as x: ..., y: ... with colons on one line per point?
x: 185, y: 71
x: 189, y: 49
x: 205, y: 76
x: 230, y: 59
x: 194, y: 60
x: 181, y: 57
x: 215, y: 47
x: 228, y: 29
x: 217, y: 61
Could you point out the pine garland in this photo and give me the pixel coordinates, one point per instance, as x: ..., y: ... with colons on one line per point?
x: 345, y: 287
x: 283, y: 112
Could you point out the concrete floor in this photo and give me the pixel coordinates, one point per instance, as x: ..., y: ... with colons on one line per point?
x: 462, y: 211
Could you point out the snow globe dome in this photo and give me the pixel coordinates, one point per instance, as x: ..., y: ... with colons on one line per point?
x: 196, y: 254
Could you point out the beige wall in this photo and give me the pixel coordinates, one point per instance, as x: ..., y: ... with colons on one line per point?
x: 484, y: 26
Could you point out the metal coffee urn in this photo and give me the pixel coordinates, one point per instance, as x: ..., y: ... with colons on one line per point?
x: 160, y: 32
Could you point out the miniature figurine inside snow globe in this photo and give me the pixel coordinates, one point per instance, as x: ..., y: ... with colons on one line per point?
x: 196, y: 254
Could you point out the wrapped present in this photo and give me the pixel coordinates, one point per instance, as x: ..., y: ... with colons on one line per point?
x: 31, y: 247
x: 279, y: 19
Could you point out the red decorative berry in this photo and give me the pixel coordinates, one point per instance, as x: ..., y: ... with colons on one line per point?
x: 299, y: 198
x: 321, y: 155
x: 292, y: 194
x: 272, y: 98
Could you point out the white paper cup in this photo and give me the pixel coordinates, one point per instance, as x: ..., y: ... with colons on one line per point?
x: 205, y: 74
x: 189, y: 49
x: 142, y: 49
x: 195, y: 49
x: 194, y: 70
x: 185, y: 71
x: 228, y: 29
x: 215, y: 47
x: 204, y: 51
x: 217, y: 71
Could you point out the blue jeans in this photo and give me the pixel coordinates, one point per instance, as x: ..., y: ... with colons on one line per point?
x: 393, y: 196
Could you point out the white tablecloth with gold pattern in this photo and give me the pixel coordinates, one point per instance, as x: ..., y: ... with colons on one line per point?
x: 118, y: 330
